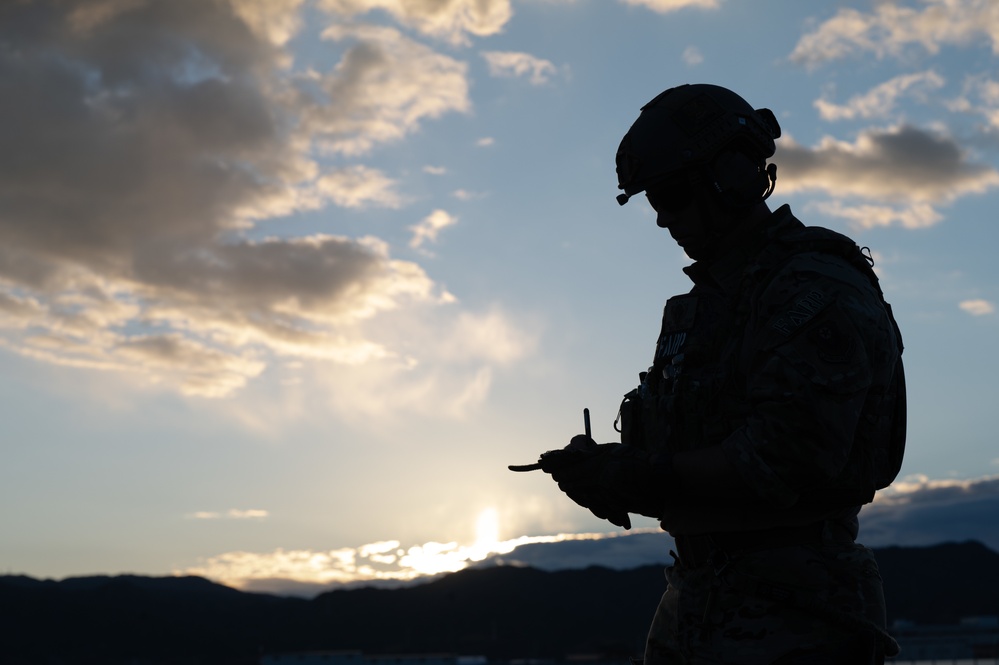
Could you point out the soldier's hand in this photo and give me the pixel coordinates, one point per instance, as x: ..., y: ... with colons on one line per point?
x: 580, y: 447
x: 578, y: 469
x: 611, y: 479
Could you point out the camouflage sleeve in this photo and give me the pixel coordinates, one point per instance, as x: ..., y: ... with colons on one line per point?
x: 811, y: 348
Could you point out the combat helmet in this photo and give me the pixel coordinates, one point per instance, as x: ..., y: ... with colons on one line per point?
x: 685, y: 129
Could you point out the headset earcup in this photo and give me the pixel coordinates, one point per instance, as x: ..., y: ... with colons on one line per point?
x: 738, y: 180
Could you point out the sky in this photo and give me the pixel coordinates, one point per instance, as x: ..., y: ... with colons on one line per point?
x: 286, y: 284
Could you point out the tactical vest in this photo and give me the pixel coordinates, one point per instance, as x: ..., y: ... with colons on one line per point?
x: 694, y: 394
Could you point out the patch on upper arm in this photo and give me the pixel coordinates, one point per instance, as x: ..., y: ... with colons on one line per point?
x: 801, y: 311
x: 832, y: 343
x: 827, y: 349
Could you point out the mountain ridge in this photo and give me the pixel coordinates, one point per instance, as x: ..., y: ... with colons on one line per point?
x: 500, y: 612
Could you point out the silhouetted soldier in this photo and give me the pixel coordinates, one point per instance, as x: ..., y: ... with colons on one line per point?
x: 773, y: 409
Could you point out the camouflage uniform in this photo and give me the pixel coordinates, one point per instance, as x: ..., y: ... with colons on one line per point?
x: 795, y: 370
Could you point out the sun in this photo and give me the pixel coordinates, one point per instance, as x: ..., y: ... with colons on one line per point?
x: 487, y: 529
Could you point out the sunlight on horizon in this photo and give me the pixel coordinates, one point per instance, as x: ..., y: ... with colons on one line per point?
x: 386, y: 561
x: 487, y: 528
x: 391, y: 561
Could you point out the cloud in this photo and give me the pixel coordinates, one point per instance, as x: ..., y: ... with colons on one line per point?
x: 980, y: 95
x: 902, y: 163
x: 488, y: 335
x: 914, y: 511
x: 513, y: 64
x: 430, y: 227
x: 380, y: 91
x: 465, y: 195
x: 879, y: 102
x: 666, y: 6
x: 197, y: 368
x: 231, y: 514
x: 922, y: 511
x: 307, y: 572
x: 447, y: 363
x: 485, y: 142
x: 619, y: 551
x: 891, y: 27
x: 910, y: 168
x: 692, y: 56
x: 275, y: 21
x: 144, y: 143
x: 310, y: 572
x: 978, y: 307
x: 452, y: 21
x: 916, y: 216
x: 357, y: 187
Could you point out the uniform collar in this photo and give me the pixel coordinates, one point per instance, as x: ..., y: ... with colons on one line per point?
x: 727, y: 270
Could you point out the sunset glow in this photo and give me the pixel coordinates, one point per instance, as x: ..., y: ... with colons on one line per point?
x: 369, y: 563
x: 286, y: 285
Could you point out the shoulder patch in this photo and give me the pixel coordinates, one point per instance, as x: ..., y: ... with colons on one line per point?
x: 830, y: 353
x: 680, y: 312
x: 678, y: 318
x: 801, y: 312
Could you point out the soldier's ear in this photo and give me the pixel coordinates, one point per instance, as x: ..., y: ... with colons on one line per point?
x: 738, y: 179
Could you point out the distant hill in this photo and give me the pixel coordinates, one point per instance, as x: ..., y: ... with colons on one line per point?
x: 497, y: 612
x: 940, y: 584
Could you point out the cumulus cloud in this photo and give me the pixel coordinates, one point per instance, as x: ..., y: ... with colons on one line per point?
x: 381, y: 90
x: 879, y: 102
x: 902, y: 163
x: 666, y: 6
x: 430, y: 227
x: 513, y: 64
x: 275, y: 21
x: 891, y: 27
x: 903, y: 170
x: 453, y: 21
x: 145, y: 140
x: 359, y: 187
x: 922, y: 511
x: 978, y: 307
x: 980, y: 95
x: 310, y: 572
x: 916, y: 216
x: 196, y: 367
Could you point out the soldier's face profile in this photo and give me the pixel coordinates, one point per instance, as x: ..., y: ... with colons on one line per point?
x: 676, y: 212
